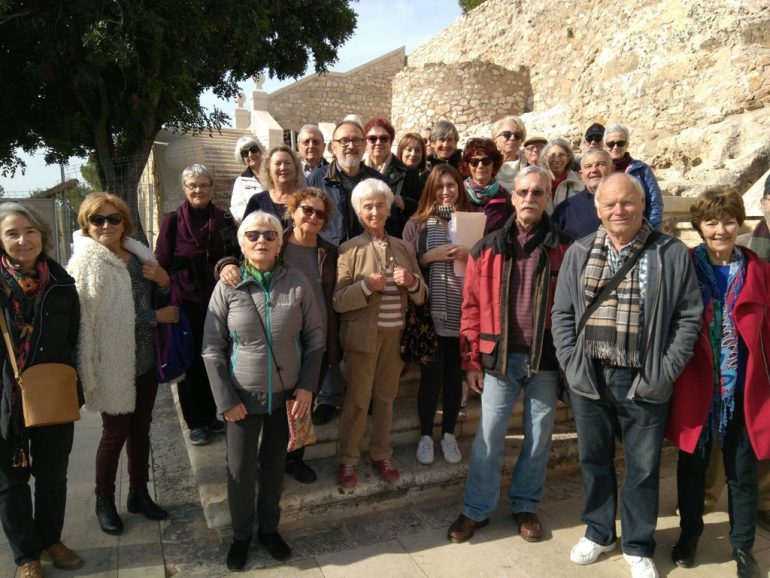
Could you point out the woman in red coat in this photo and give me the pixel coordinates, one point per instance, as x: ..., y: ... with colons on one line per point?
x: 723, y: 394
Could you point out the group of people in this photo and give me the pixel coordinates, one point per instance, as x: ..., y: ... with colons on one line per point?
x: 297, y: 298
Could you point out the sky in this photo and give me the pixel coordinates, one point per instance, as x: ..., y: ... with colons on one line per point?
x: 382, y: 27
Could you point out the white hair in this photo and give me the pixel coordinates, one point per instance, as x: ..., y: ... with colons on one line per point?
x: 369, y: 188
x: 615, y: 127
x: 539, y: 170
x: 260, y: 218
x: 246, y: 142
x: 635, y: 183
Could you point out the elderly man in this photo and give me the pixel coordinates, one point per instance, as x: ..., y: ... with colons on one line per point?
x: 625, y: 320
x: 533, y: 148
x: 340, y: 177
x: 593, y: 139
x: 577, y: 215
x: 506, y: 348
x: 310, y: 147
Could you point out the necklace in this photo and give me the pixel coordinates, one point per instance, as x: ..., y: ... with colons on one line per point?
x: 386, y: 267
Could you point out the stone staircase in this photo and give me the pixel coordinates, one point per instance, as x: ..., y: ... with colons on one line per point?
x: 324, y: 500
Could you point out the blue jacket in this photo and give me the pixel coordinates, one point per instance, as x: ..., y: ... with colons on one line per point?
x: 653, y: 198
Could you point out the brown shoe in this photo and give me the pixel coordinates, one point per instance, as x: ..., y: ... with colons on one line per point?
x: 529, y: 526
x: 63, y: 558
x: 462, y: 529
x: 32, y: 569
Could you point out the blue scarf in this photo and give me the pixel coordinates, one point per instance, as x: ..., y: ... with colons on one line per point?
x: 479, y: 194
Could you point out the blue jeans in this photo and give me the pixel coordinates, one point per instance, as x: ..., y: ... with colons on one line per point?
x: 482, y: 490
x: 642, y: 426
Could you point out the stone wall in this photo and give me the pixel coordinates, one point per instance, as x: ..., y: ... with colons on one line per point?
x: 365, y: 91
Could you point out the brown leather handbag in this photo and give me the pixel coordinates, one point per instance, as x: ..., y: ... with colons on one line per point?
x: 49, y: 393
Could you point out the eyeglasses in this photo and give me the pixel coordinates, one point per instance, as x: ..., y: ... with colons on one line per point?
x: 254, y: 236
x: 311, y: 141
x: 356, y: 141
x: 616, y: 143
x: 253, y: 150
x: 112, y: 219
x: 486, y: 161
x: 507, y: 134
x: 534, y: 191
x: 193, y: 186
x: 557, y: 157
x: 310, y: 211
x: 373, y: 138
x: 534, y: 147
x: 594, y: 138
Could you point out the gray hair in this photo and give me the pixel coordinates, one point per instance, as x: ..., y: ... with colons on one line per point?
x: 615, y: 127
x: 34, y: 218
x: 369, y: 188
x: 560, y: 142
x: 194, y: 171
x: 264, y: 175
x: 443, y: 130
x: 260, y: 218
x: 539, y: 170
x: 246, y: 142
x: 596, y: 152
x: 311, y: 128
x: 351, y: 122
x: 635, y: 183
x: 510, y: 119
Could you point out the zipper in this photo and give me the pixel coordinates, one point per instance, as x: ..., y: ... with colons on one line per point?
x: 268, y: 333
x: 236, y: 349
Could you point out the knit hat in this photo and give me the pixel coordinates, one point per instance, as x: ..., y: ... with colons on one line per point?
x: 595, y: 129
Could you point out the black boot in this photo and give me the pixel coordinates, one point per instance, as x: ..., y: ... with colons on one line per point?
x: 140, y: 502
x: 275, y: 545
x: 238, y: 554
x: 683, y: 554
x: 747, y: 565
x: 107, y: 515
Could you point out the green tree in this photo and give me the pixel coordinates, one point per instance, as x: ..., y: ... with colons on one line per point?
x: 468, y: 5
x: 100, y: 79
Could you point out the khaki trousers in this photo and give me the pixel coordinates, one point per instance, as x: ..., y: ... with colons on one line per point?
x: 370, y: 376
x: 716, y: 479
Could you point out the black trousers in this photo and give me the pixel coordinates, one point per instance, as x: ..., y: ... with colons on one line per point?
x: 249, y: 460
x: 195, y: 397
x: 29, y: 530
x: 741, y: 471
x: 444, y: 373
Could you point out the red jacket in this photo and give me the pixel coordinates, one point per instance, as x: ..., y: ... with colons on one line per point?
x: 694, y: 389
x: 484, y: 320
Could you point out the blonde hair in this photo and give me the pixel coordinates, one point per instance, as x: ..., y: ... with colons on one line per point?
x: 94, y: 202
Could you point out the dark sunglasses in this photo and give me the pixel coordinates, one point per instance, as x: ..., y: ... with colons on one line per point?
x: 112, y: 219
x: 507, y: 134
x: 616, y: 143
x: 486, y: 161
x: 310, y: 211
x: 373, y: 138
x: 254, y: 150
x: 524, y: 193
x: 254, y: 236
x: 594, y: 138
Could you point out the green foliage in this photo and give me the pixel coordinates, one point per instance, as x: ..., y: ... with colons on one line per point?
x: 468, y: 5
x: 90, y: 173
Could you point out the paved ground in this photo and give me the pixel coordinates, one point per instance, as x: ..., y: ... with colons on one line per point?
x: 402, y: 543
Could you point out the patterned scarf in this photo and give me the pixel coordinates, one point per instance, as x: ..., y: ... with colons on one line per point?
x: 480, y: 194
x: 446, y: 289
x: 759, y: 242
x: 722, y: 336
x: 612, y: 331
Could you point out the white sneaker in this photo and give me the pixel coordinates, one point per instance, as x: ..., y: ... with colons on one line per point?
x: 450, y: 450
x: 641, y: 566
x: 587, y: 551
x: 425, y: 450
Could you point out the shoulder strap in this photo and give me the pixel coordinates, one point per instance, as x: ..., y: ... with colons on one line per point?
x: 9, y: 345
x: 269, y: 345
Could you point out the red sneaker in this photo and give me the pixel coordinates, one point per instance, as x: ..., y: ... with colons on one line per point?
x: 387, y: 470
x: 347, y: 476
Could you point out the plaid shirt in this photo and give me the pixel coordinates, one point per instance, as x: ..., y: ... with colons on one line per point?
x: 617, y: 258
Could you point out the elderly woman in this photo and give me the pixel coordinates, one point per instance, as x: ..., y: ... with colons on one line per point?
x: 723, y: 395
x: 190, y: 242
x: 282, y: 175
x: 480, y: 162
x: 263, y: 346
x: 616, y: 138
x: 34, y: 288
x: 411, y: 151
x: 428, y: 231
x: 558, y: 157
x: 443, y: 141
x: 117, y: 280
x: 509, y: 133
x: 249, y: 152
x: 404, y: 182
x: 376, y: 274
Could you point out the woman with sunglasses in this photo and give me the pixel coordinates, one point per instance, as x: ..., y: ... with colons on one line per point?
x: 403, y: 181
x: 616, y: 143
x: 281, y: 175
x: 263, y: 345
x: 558, y: 157
x: 190, y: 242
x: 509, y: 132
x: 248, y: 151
x: 117, y: 279
x: 480, y: 162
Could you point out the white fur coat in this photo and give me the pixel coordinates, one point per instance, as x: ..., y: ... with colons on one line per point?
x: 106, y: 352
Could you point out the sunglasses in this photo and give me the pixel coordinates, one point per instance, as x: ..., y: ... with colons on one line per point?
x: 536, y: 192
x: 507, y: 134
x: 253, y: 150
x: 594, y: 138
x: 373, y: 138
x: 254, y: 236
x: 310, y: 211
x: 112, y: 219
x: 616, y: 143
x: 486, y: 161
x: 534, y: 147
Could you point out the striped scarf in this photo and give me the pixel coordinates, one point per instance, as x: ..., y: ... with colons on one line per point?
x: 612, y: 332
x: 446, y: 289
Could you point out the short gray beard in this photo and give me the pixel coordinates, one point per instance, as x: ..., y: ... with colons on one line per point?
x: 348, y: 164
